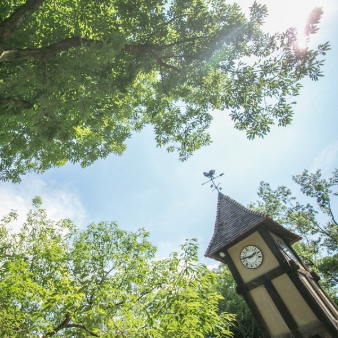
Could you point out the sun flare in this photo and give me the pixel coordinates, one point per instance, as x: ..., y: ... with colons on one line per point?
x: 290, y: 13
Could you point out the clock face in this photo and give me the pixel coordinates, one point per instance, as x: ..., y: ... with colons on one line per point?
x: 251, y: 257
x: 287, y: 251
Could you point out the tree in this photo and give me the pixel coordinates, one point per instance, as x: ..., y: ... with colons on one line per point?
x: 245, y: 325
x: 56, y: 280
x: 78, y: 78
x: 316, y: 224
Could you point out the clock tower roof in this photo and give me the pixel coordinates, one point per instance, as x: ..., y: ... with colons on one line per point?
x: 233, y: 220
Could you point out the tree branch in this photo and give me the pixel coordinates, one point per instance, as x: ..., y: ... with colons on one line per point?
x: 83, y: 327
x: 152, y: 47
x: 105, y: 274
x: 163, y: 64
x: 183, y: 57
x: 65, y: 324
x: 16, y: 102
x: 182, y: 41
x: 9, y: 25
x: 46, y: 52
x: 118, y: 328
x: 166, y: 24
x: 162, y: 81
x: 59, y: 327
x: 142, y: 48
x: 332, y: 216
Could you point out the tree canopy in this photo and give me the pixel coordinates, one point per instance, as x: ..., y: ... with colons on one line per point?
x: 57, y: 280
x: 77, y: 78
x: 316, y: 223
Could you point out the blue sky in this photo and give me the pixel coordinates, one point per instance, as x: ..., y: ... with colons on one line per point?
x: 147, y: 187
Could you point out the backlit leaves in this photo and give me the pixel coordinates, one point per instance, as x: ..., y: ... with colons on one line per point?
x: 102, y: 281
x: 77, y: 81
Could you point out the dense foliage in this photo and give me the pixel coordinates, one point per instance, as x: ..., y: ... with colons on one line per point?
x: 56, y: 280
x: 316, y: 223
x: 78, y: 77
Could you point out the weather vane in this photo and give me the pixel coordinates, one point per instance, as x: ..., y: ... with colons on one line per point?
x: 211, y: 177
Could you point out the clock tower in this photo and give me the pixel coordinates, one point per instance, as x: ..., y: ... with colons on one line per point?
x: 284, y: 297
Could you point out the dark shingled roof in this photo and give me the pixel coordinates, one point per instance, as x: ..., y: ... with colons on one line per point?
x: 233, y: 219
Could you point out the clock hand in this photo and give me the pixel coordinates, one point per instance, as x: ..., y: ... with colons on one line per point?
x: 250, y: 255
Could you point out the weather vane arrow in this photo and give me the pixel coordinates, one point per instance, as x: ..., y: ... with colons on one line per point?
x: 211, y: 177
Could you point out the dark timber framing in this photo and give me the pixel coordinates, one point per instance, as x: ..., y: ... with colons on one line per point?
x: 313, y: 304
x: 265, y: 280
x: 247, y: 297
x: 303, y: 290
x: 282, y: 308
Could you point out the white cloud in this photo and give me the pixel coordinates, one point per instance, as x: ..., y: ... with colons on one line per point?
x: 59, y: 202
x: 213, y: 266
x: 326, y: 160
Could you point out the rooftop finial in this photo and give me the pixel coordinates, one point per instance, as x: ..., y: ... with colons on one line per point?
x: 211, y: 177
